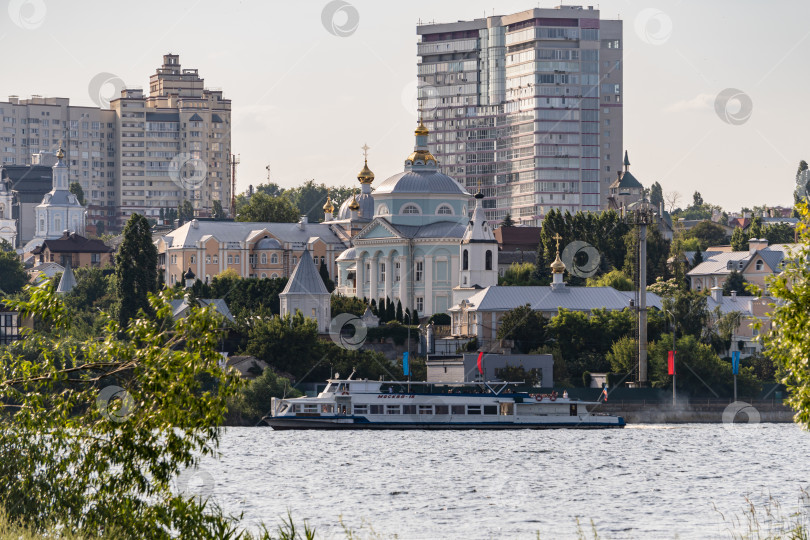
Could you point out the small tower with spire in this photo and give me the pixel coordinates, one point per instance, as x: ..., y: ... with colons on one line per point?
x: 328, y: 209
x: 625, y: 190
x: 557, y: 267
x: 421, y: 158
x: 478, y: 250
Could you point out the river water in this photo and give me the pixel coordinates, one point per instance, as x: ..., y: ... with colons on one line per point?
x: 646, y: 481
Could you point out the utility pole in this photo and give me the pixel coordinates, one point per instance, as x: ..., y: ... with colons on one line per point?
x: 234, y: 162
x: 642, y: 217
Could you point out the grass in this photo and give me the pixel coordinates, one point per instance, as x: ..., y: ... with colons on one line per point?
x: 770, y: 521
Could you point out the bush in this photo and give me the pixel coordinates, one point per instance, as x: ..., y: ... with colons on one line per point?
x: 440, y: 319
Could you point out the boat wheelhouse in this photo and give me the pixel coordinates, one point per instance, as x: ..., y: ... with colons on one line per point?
x: 363, y: 404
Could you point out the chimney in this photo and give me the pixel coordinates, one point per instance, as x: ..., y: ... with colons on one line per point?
x: 733, y: 296
x: 195, y: 224
x: 302, y: 224
x: 755, y: 244
x: 717, y: 294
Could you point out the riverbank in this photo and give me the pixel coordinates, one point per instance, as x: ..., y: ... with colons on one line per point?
x: 699, y: 412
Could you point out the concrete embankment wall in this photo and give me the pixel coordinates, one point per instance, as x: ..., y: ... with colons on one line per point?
x: 706, y: 412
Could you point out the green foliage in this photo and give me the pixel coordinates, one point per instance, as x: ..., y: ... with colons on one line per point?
x: 525, y: 326
x: 779, y: 233
x: 245, y: 296
x: 755, y: 229
x: 285, y: 343
x: 399, y: 315
x: 605, y: 231
x: 440, y: 319
x: 708, y: 234
x: 664, y: 288
x: 658, y: 249
x: 76, y: 189
x: 185, y: 212
x: 327, y: 281
x: 347, y: 304
x: 217, y: 211
x: 508, y: 221
x: 689, y: 310
x: 615, y: 278
x: 739, y: 240
x: 135, y: 269
x: 519, y: 274
x: 736, y: 282
x: 262, y: 207
x: 723, y: 327
x: 788, y: 341
x: 656, y: 195
x: 623, y: 355
x: 697, y: 199
x: 698, y: 258
x: 700, y: 371
x: 108, y: 463
x: 12, y: 274
x: 253, y: 402
x: 519, y: 373
x: 417, y: 365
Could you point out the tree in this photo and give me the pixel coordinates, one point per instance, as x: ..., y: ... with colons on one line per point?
x: 755, y: 229
x: 690, y: 313
x: 736, y: 282
x: 415, y: 316
x: 12, y: 273
x: 708, y: 233
x: 135, y: 269
x: 697, y: 199
x: 656, y: 195
x: 739, y: 240
x: 399, y: 315
x: 615, y: 278
x: 101, y: 226
x: 218, y: 212
x: 390, y: 310
x: 507, y: 221
x: 76, y: 189
x: 327, y: 281
x: 519, y: 274
x: 779, y: 233
x: 525, y: 326
x: 788, y: 341
x: 664, y: 288
x: 623, y: 355
x: 724, y: 326
x: 262, y: 207
x: 185, y: 212
x: 286, y: 343
x: 347, y: 304
x: 253, y: 402
x: 519, y: 373
x: 123, y: 417
x: 698, y: 258
x: 309, y: 199
x: 672, y: 198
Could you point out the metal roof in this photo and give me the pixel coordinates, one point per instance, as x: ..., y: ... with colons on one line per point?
x: 544, y: 298
x: 305, y: 279
x: 235, y: 232
x: 425, y: 182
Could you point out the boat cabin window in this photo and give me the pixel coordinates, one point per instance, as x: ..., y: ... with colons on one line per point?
x: 490, y: 409
x: 458, y: 409
x: 507, y: 409
x: 425, y: 409
x: 442, y: 409
x: 284, y: 409
x: 392, y: 409
x: 573, y: 410
x: 361, y: 409
x: 376, y: 409
x: 409, y: 409
x: 327, y: 408
x: 311, y: 408
x: 473, y: 409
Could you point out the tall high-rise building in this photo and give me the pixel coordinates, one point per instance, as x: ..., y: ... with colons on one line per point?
x: 174, y: 144
x: 526, y: 108
x: 141, y: 154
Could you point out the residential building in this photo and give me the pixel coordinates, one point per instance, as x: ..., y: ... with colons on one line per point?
x: 753, y: 310
x: 28, y: 185
x: 261, y: 250
x: 760, y: 261
x: 174, y: 144
x: 8, y: 225
x: 526, y: 106
x: 306, y: 292
x: 74, y: 250
x: 141, y: 154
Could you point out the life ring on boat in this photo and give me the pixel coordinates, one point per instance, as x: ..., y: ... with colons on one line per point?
x: 344, y: 393
x: 553, y: 396
x: 538, y: 397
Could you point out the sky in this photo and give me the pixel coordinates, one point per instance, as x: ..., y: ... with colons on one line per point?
x: 714, y: 92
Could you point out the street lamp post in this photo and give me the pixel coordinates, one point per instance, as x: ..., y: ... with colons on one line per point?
x: 408, y: 348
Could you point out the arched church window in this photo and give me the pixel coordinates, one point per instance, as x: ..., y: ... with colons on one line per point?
x: 465, y: 264
x: 2, y: 211
x: 410, y: 209
x: 445, y: 209
x: 383, y: 210
x: 488, y: 260
x: 264, y: 259
x: 274, y: 258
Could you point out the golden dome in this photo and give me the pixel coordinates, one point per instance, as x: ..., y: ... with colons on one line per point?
x: 365, y: 176
x: 60, y: 154
x: 557, y: 267
x: 354, y: 205
x: 421, y: 155
x: 328, y: 208
x: 421, y: 129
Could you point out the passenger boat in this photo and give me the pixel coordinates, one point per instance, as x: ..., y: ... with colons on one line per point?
x: 363, y: 404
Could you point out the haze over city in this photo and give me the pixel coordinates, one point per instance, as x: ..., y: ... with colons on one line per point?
x: 305, y: 100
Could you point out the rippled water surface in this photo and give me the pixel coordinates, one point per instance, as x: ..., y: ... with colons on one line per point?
x: 640, y: 482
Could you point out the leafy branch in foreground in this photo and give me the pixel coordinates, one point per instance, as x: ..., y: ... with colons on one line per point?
x: 94, y: 432
x: 788, y: 341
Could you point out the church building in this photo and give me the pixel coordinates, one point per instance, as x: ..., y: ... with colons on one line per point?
x: 420, y: 243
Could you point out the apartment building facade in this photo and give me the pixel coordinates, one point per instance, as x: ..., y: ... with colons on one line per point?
x: 143, y: 153
x: 526, y: 108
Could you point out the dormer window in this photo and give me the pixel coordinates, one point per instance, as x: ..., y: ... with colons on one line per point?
x: 729, y: 265
x: 411, y: 209
x: 759, y: 265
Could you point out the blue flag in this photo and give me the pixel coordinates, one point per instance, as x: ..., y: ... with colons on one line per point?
x: 735, y: 362
x: 405, y: 368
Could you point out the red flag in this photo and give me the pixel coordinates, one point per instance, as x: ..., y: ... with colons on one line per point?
x: 671, y: 363
x: 481, y: 362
